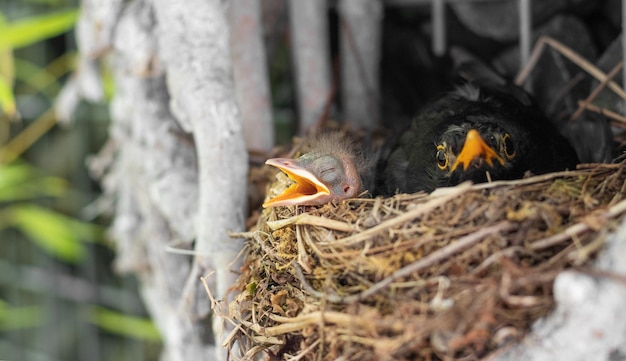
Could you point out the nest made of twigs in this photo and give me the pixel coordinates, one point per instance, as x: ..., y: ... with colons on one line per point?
x: 455, y: 274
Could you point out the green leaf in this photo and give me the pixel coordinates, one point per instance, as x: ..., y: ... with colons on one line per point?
x: 7, y: 76
x: 125, y: 325
x: 33, y: 29
x: 86, y: 231
x: 56, y: 3
x: 45, y: 79
x: 35, y: 76
x: 20, y: 181
x: 16, y: 318
x: 53, y: 232
x: 6, y: 56
x: 34, y: 188
x: 7, y: 100
x: 15, y: 173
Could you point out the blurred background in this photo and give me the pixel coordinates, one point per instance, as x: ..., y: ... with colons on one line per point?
x: 59, y: 296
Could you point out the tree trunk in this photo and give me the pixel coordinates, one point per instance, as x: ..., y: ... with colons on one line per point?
x: 171, y: 64
x: 194, y: 45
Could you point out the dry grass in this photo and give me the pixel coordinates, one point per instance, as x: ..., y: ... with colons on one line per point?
x: 453, y: 275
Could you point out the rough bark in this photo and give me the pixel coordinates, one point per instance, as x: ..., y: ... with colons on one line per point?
x: 171, y: 64
x: 194, y: 45
x: 309, y: 33
x: 361, y: 23
x: 251, y: 75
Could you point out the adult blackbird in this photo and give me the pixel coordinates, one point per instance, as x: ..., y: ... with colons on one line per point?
x: 478, y: 132
x: 332, y: 168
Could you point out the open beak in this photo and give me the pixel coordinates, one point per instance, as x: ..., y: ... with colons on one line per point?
x: 306, y: 189
x: 475, y: 147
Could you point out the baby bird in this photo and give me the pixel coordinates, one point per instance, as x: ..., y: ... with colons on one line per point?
x: 332, y: 168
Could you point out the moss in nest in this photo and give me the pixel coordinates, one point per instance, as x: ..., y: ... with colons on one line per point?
x: 452, y: 275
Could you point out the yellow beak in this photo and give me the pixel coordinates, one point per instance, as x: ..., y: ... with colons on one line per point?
x: 475, y: 147
x: 306, y: 189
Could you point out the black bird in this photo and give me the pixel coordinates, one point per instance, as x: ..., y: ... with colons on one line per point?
x: 478, y: 132
x: 333, y: 167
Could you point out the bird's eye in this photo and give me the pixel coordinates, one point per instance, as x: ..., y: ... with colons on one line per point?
x: 329, y: 175
x: 442, y: 158
x: 509, y: 148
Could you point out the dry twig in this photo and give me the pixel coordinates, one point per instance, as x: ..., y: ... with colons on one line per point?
x: 420, y: 276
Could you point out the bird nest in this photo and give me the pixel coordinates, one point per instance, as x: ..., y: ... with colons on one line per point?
x: 456, y: 274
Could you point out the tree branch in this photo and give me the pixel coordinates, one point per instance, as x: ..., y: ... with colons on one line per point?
x: 250, y: 73
x: 361, y: 22
x: 309, y: 30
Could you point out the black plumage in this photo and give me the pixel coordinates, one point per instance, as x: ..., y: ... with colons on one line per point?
x: 478, y: 132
